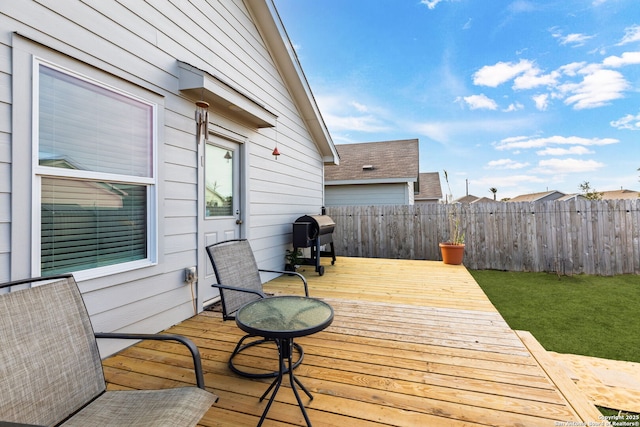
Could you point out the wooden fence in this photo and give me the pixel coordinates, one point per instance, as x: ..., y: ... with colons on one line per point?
x: 573, y: 237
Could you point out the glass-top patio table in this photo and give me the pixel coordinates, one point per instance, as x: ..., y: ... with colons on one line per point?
x: 284, y: 318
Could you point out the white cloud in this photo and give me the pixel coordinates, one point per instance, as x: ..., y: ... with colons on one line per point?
x: 495, y: 75
x: 359, y: 107
x: 564, y: 166
x: 631, y: 34
x: 573, y: 68
x: 514, y: 107
x: 437, y: 131
x: 628, y: 122
x: 342, y: 114
x: 480, y: 102
x: 597, y: 88
x: 431, y: 4
x: 354, y: 123
x: 446, y: 131
x: 525, y: 142
x: 522, y: 6
x: 525, y: 73
x: 541, y: 101
x: 575, y: 39
x: 533, y: 78
x: 627, y: 58
x: 558, y: 151
x: 506, y: 164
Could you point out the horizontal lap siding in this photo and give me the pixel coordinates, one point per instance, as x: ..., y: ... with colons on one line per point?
x: 592, y: 237
x: 369, y: 194
x: 5, y: 155
x: 140, y: 43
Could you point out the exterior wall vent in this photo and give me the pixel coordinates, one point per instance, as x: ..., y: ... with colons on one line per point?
x: 368, y: 168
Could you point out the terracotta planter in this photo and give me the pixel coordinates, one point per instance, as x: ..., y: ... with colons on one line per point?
x: 451, y: 253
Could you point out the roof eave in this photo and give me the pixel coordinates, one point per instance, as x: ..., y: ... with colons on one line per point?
x: 268, y: 21
x: 370, y: 181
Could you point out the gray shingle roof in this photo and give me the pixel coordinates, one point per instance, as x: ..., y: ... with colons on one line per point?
x: 534, y: 197
x: 384, y: 161
x: 430, y: 188
x: 620, y: 194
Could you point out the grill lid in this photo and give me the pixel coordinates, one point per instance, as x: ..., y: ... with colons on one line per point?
x: 320, y: 224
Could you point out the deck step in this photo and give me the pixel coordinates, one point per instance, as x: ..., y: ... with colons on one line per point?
x: 581, y: 404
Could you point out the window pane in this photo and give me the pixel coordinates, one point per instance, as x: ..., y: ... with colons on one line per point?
x: 89, y: 224
x: 88, y: 127
x: 219, y: 181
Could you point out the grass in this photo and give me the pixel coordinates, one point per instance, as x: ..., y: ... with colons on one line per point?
x: 587, y: 315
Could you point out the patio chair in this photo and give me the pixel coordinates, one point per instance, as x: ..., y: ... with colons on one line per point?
x: 239, y: 282
x: 51, y: 371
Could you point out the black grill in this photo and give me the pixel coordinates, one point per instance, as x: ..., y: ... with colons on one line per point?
x: 314, y: 231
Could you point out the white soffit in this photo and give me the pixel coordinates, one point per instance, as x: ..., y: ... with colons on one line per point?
x: 199, y: 84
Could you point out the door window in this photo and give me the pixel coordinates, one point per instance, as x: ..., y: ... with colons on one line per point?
x: 219, y: 182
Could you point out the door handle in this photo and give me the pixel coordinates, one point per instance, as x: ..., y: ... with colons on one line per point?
x: 238, y: 221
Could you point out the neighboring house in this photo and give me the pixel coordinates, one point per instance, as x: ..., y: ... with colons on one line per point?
x: 484, y: 200
x: 102, y: 172
x: 373, y: 173
x: 469, y: 198
x: 569, y: 197
x: 620, y: 194
x: 429, y: 188
x: 538, y: 197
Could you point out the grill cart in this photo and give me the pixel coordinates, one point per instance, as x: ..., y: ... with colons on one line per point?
x: 314, y: 231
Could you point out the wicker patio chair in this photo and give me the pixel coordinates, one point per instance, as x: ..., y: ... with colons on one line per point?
x: 51, y: 371
x: 239, y: 282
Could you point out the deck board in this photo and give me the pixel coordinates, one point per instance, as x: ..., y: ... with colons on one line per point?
x: 413, y: 343
x: 608, y: 383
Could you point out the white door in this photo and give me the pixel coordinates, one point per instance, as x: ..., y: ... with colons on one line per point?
x: 220, y: 217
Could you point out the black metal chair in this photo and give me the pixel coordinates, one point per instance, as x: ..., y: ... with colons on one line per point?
x: 239, y: 282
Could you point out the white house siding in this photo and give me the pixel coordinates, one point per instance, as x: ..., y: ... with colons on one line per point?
x: 139, y: 43
x: 411, y: 193
x: 5, y: 159
x: 5, y: 152
x: 367, y: 194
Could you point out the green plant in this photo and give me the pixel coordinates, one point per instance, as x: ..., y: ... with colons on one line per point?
x: 293, y: 257
x: 590, y: 193
x: 456, y: 234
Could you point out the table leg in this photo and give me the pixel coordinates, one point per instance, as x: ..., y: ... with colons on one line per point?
x: 276, y: 383
x: 285, y: 350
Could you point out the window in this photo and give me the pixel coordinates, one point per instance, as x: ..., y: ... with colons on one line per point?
x: 218, y: 181
x: 94, y: 173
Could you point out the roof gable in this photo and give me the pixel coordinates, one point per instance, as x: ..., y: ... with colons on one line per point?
x: 272, y: 29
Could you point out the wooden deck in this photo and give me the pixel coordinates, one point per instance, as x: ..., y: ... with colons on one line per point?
x: 413, y: 343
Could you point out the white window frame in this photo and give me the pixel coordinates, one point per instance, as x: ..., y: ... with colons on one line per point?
x: 39, y: 171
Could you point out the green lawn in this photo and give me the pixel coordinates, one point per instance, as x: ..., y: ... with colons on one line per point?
x: 588, y: 315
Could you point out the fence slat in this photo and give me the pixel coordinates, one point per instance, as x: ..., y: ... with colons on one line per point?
x: 571, y: 237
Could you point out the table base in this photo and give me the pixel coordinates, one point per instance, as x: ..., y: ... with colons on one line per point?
x: 285, y: 346
x: 241, y: 346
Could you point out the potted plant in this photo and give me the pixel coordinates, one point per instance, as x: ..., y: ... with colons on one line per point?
x: 293, y: 258
x: 453, y: 249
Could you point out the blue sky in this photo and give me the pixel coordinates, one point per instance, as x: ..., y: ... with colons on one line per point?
x: 520, y: 95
